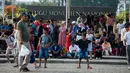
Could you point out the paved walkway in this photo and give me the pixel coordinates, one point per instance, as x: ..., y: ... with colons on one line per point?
x: 68, y: 68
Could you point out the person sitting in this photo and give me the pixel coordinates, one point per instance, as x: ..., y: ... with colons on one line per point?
x: 73, y: 50
x: 115, y: 47
x: 98, y: 51
x: 107, y: 48
x: 55, y: 49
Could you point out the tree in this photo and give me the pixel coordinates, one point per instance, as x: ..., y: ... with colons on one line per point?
x: 112, y: 3
x: 35, y: 3
x: 43, y: 1
x: 46, y: 3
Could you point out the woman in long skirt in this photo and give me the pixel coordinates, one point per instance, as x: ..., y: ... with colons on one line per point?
x: 62, y: 35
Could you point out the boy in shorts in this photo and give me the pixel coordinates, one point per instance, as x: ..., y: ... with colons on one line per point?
x: 83, y: 45
x: 45, y: 43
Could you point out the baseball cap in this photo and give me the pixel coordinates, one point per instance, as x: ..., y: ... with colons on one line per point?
x: 63, y: 22
x: 24, y: 14
x: 73, y: 22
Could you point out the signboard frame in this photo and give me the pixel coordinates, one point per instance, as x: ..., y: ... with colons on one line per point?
x: 59, y: 13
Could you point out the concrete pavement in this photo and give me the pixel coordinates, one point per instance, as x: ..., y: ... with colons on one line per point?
x: 67, y: 68
x: 110, y: 60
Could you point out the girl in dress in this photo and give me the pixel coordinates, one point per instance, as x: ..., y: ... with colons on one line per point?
x: 90, y: 37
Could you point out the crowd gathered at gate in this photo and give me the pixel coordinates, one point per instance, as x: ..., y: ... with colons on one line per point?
x: 97, y: 35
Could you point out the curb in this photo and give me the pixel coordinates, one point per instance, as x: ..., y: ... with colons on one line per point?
x: 64, y: 61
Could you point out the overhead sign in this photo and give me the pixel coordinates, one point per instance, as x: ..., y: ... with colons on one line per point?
x: 59, y: 13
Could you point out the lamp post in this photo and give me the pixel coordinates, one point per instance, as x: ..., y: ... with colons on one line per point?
x: 68, y: 9
x: 2, y: 9
x: 129, y: 10
x: 12, y: 10
x: 66, y: 13
x: 124, y: 11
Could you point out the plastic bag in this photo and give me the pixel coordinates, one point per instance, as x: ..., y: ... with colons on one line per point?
x: 24, y: 51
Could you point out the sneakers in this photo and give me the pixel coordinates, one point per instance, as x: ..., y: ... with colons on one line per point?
x: 78, y: 67
x: 36, y: 67
x: 15, y: 66
x: 128, y: 68
x: 89, y: 67
x: 24, y: 70
x: 91, y: 58
x: 45, y: 67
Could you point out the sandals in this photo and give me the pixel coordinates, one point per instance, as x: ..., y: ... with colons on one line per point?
x: 78, y: 67
x: 89, y: 67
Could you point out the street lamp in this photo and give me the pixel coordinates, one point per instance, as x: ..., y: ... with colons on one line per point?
x: 67, y: 11
x: 129, y: 10
x: 12, y: 10
x: 124, y: 11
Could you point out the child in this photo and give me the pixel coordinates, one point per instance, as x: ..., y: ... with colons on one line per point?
x: 83, y: 45
x: 120, y: 26
x: 32, y: 58
x: 10, y: 45
x: 68, y: 41
x: 90, y: 37
x: 115, y: 47
x: 97, y: 51
x: 45, y: 43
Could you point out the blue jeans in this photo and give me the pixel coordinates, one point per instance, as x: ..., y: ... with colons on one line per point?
x: 83, y: 54
x: 43, y: 53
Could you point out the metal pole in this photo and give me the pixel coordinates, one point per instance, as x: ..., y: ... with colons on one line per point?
x: 124, y: 11
x: 3, y: 11
x: 12, y: 10
x: 129, y: 10
x: 66, y: 13
x: 68, y: 9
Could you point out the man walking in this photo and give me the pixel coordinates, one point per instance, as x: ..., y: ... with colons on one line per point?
x: 127, y: 43
x: 24, y: 40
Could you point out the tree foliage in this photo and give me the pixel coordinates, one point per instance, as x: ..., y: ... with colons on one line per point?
x: 43, y: 1
x: 94, y: 3
x: 47, y: 3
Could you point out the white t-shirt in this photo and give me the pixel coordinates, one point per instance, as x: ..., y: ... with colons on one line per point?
x: 123, y: 31
x: 120, y: 27
x: 89, y: 36
x: 9, y: 41
x: 127, y: 38
x: 75, y: 47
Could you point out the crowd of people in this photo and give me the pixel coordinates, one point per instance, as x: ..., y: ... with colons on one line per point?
x: 96, y: 35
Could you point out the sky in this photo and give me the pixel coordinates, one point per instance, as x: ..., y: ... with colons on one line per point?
x: 26, y: 0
